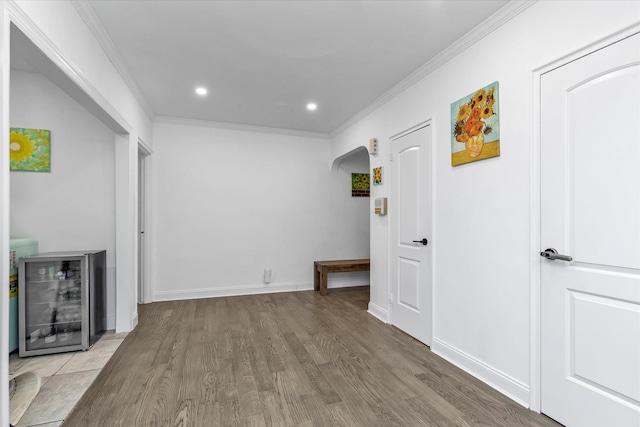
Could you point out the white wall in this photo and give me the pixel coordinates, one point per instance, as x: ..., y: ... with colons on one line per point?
x: 482, y: 210
x: 230, y: 203
x: 73, y: 206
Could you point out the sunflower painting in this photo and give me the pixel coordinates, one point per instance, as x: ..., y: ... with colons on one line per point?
x: 359, y: 185
x: 475, y: 126
x: 30, y: 150
x: 377, y: 176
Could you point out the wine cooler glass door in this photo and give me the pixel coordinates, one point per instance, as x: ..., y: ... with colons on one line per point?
x: 53, y: 304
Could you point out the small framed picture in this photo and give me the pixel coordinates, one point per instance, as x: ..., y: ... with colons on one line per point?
x: 377, y: 176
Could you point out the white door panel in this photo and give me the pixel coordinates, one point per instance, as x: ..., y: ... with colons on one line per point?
x: 409, y: 284
x: 408, y: 164
x: 410, y: 216
x: 601, y: 140
x: 594, y: 317
x: 590, y: 210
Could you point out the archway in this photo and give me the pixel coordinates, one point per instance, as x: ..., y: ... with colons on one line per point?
x: 351, y: 213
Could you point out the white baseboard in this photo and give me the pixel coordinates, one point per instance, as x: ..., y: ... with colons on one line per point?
x: 184, y: 294
x: 378, y: 312
x: 502, y: 382
x: 134, y: 320
x: 111, y: 322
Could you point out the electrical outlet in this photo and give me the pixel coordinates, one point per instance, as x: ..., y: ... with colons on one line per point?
x: 267, y: 275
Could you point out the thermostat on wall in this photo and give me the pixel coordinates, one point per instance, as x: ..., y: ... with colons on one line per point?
x: 380, y: 206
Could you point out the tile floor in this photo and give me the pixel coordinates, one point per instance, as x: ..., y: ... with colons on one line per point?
x: 65, y: 378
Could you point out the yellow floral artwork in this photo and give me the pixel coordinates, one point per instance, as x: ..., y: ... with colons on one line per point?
x: 30, y: 150
x: 475, y: 126
x: 377, y: 176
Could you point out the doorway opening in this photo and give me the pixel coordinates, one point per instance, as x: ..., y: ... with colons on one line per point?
x: 350, y: 216
x: 143, y: 291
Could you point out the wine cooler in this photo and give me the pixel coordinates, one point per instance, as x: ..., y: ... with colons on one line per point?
x: 62, y: 298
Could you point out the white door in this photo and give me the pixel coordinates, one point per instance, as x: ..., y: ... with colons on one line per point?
x: 590, y: 211
x: 142, y: 215
x: 410, y: 216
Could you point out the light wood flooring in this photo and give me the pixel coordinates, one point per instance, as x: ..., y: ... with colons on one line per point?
x: 283, y: 360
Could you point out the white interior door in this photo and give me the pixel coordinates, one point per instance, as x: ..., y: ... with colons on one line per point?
x: 410, y: 216
x: 590, y: 211
x: 142, y: 215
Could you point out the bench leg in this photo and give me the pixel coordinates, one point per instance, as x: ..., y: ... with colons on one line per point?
x: 323, y: 281
x: 316, y: 277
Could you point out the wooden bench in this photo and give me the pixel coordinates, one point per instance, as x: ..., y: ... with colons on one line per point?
x: 322, y: 268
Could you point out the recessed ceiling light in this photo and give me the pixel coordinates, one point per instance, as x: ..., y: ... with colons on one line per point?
x: 311, y: 106
x: 201, y: 91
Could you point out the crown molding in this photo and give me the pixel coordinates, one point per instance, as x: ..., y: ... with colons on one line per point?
x: 240, y: 127
x: 486, y: 27
x: 88, y: 15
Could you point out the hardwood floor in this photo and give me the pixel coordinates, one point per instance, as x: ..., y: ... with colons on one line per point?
x: 282, y: 360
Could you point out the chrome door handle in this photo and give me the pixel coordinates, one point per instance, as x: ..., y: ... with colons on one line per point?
x: 551, y: 254
x: 423, y: 241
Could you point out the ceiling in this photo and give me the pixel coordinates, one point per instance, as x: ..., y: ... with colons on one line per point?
x: 263, y: 61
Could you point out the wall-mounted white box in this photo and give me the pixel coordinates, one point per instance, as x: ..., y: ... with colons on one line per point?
x: 373, y: 146
x: 380, y: 206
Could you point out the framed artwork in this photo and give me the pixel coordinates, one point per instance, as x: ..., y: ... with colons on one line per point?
x: 475, y: 124
x: 377, y: 176
x: 30, y: 150
x: 360, y: 185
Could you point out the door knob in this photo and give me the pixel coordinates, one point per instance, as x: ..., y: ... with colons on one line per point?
x: 423, y: 241
x: 551, y: 254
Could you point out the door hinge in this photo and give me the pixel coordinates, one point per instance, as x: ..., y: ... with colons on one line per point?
x: 391, y: 157
x: 390, y: 297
